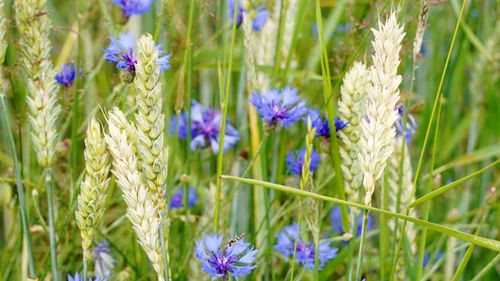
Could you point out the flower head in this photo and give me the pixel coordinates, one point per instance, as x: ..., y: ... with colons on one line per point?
x: 177, y: 200
x: 133, y: 7
x: 321, y: 124
x: 275, y: 106
x: 122, y: 52
x: 220, y: 261
x: 205, y: 128
x: 67, y: 75
x: 231, y: 10
x: 305, y: 252
x: 77, y: 277
x: 336, y: 221
x: 104, y: 262
x: 260, y: 18
x: 295, y: 161
x: 411, y: 124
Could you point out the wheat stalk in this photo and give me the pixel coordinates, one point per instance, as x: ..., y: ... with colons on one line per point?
x: 92, y: 197
x: 377, y: 129
x: 141, y: 210
x: 149, y: 121
x: 351, y: 109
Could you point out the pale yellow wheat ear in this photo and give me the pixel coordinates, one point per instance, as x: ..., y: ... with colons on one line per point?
x: 377, y: 129
x: 34, y: 29
x: 141, y: 209
x: 149, y: 121
x: 351, y: 110
x: 400, y: 196
x: 93, y: 191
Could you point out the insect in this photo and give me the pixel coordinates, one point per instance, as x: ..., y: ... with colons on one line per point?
x: 235, y: 239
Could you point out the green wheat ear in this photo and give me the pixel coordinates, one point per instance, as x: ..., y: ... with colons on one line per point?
x: 93, y: 195
x: 149, y: 121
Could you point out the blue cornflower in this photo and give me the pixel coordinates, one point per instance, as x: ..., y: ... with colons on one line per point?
x: 295, y: 161
x: 260, y: 18
x: 104, y: 262
x: 177, y: 201
x: 321, y: 124
x: 67, y: 75
x: 220, y: 261
x: 205, y: 128
x: 122, y: 52
x: 305, y: 252
x: 133, y: 7
x: 275, y: 106
x: 411, y: 124
x: 231, y: 11
x: 77, y: 277
x: 336, y: 221
x: 428, y: 258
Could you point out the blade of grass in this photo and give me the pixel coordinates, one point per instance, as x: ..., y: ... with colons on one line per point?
x: 487, y: 267
x: 471, y: 238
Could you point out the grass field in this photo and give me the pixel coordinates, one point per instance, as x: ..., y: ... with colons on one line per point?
x: 249, y: 140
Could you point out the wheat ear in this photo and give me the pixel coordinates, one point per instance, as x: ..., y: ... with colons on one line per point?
x: 149, y: 121
x: 377, y: 129
x: 92, y: 197
x: 141, y: 210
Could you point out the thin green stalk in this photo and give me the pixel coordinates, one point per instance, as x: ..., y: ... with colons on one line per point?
x: 299, y: 221
x: 52, y: 235
x: 487, y: 267
x: 164, y: 248
x: 85, y: 269
x: 361, y: 245
x: 427, y: 133
x: 224, y: 106
x: 4, y: 111
x: 471, y: 238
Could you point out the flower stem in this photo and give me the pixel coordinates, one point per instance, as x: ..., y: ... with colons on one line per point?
x: 362, y: 244
x: 52, y: 235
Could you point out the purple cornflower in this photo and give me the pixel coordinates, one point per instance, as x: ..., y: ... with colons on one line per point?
x: 122, y: 52
x: 205, y: 128
x: 177, y: 201
x: 336, y: 221
x: 411, y: 124
x: 133, y: 7
x: 275, y: 106
x: 305, y: 252
x: 321, y: 124
x: 221, y: 260
x: 67, y: 75
x: 104, y: 262
x: 261, y: 16
x: 295, y: 161
x: 77, y: 277
x: 231, y: 11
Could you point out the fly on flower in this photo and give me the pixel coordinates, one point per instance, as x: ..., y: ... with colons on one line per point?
x: 222, y: 260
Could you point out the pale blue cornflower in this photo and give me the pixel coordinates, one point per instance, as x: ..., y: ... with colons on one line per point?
x: 177, y: 199
x: 122, y: 52
x: 239, y: 12
x: 279, y: 106
x: 295, y: 161
x: 78, y: 277
x: 67, y: 75
x: 205, y: 128
x: 336, y: 221
x: 133, y: 7
x: 259, y: 15
x: 411, y: 124
x: 321, y: 124
x: 104, y: 262
x: 221, y: 260
x: 290, y: 238
x: 260, y: 18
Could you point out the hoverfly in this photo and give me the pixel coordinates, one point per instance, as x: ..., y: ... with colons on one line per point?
x: 235, y: 239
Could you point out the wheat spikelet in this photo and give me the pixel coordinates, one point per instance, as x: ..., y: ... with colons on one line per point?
x: 351, y: 109
x: 401, y: 193
x: 34, y: 28
x: 3, y: 29
x: 419, y: 33
x: 377, y: 130
x: 141, y: 210
x: 92, y: 197
x: 149, y: 120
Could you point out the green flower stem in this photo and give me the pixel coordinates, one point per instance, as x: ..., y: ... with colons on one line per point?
x: 471, y: 238
x: 361, y: 245
x: 52, y: 235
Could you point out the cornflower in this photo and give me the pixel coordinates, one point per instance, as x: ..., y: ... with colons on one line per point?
x: 295, y: 161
